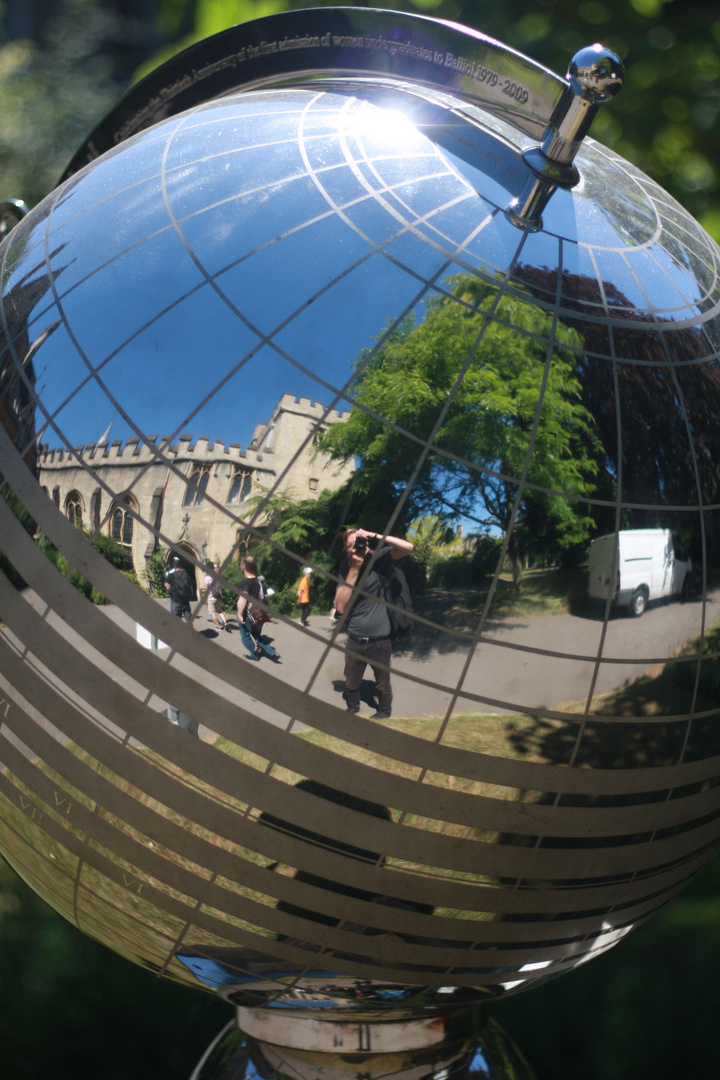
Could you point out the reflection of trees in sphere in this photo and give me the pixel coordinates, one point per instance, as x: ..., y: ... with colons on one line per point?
x: 543, y: 784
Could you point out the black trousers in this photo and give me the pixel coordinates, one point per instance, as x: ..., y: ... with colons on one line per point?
x: 378, y: 655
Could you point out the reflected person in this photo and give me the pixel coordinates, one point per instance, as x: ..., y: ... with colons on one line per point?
x: 303, y: 592
x: 179, y: 585
x: 250, y: 616
x: 214, y: 598
x: 367, y: 622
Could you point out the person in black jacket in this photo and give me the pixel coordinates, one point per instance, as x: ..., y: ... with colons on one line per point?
x: 367, y: 622
x: 179, y: 585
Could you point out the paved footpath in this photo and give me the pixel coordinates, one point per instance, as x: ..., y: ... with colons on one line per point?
x: 537, y: 662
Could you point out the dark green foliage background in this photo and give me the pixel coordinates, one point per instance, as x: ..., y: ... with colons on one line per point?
x: 646, y: 1010
x: 665, y: 120
x: 69, y: 1008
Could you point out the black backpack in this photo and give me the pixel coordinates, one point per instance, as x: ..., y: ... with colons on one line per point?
x: 397, y: 593
x: 182, y: 586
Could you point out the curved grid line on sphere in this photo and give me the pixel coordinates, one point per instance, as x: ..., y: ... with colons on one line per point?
x: 543, y: 784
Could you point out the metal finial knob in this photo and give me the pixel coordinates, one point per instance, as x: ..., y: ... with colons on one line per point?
x: 594, y: 76
x: 596, y: 73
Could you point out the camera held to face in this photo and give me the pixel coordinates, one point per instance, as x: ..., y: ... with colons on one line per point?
x: 360, y: 545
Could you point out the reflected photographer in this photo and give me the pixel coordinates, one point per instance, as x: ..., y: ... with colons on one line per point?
x: 179, y: 585
x: 368, y: 562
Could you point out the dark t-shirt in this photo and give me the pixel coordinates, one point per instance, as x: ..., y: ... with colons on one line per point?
x: 179, y: 582
x: 254, y: 590
x: 367, y: 617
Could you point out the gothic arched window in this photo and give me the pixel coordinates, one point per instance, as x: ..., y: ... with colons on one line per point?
x: 197, y: 485
x: 74, y: 507
x: 122, y: 525
x: 240, y: 487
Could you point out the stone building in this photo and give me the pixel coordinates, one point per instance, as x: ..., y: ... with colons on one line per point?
x: 189, y: 496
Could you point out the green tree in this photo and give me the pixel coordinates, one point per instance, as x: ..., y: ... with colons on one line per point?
x: 478, y: 371
x: 154, y: 576
x: 53, y: 95
x: 429, y: 535
x: 298, y: 531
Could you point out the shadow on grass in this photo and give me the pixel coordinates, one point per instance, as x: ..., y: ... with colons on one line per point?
x: 454, y: 615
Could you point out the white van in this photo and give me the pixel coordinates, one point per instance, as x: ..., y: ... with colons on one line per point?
x: 636, y: 566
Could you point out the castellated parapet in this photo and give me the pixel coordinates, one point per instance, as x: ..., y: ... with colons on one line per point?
x: 136, y: 452
x: 192, y: 491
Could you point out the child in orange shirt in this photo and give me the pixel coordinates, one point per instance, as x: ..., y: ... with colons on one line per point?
x: 304, y: 595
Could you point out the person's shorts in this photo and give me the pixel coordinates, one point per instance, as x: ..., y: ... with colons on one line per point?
x: 214, y: 605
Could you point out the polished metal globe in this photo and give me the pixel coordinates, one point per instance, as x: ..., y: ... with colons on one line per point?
x: 359, y: 272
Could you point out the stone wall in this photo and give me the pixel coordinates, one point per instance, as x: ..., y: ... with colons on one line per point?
x: 191, y: 494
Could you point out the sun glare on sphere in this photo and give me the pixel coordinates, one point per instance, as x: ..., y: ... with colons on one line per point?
x: 387, y: 126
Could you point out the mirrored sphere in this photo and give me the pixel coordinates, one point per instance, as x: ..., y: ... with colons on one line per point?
x: 291, y: 311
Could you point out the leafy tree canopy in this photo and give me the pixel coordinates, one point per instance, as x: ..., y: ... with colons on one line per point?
x: 299, y: 531
x: 494, y: 379
x: 429, y: 535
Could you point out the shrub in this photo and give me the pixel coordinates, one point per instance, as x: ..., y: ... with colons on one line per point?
x: 111, y: 550
x: 467, y: 568
x: 154, y: 576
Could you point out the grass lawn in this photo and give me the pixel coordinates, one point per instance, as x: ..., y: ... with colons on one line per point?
x: 543, y: 592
